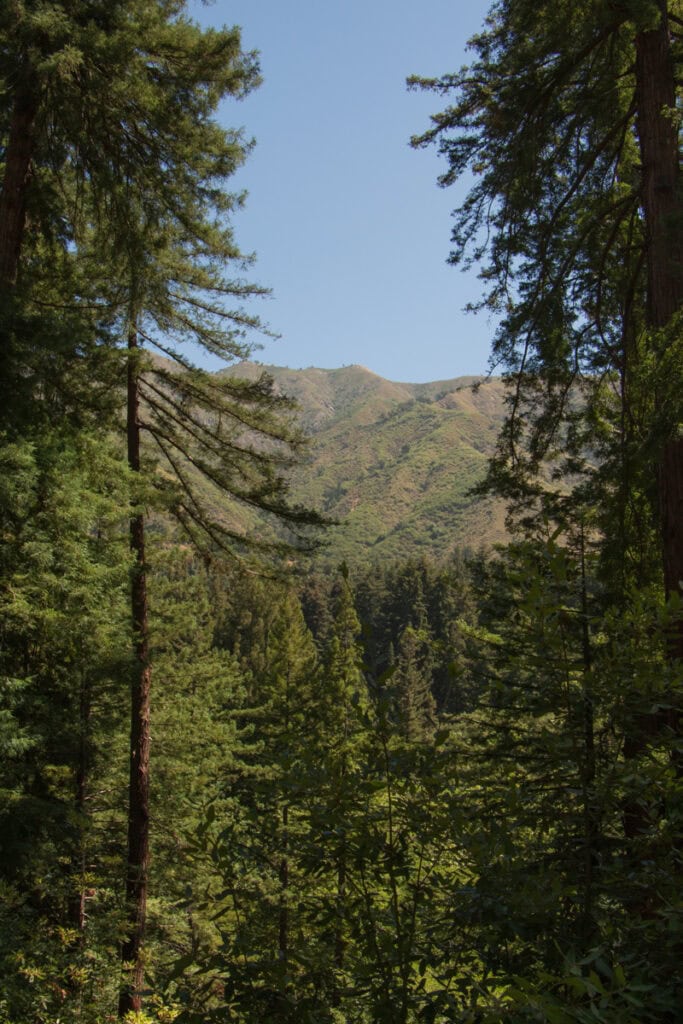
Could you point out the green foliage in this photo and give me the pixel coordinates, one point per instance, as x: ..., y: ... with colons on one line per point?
x: 566, y: 118
x: 443, y: 792
x: 194, y: 743
x: 394, y: 500
x: 548, y: 117
x: 258, y: 902
x: 114, y: 228
x: 430, y: 601
x: 561, y: 879
x: 63, y: 657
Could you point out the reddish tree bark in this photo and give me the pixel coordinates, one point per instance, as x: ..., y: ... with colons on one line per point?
x: 658, y: 139
x: 661, y: 201
x: 661, y: 198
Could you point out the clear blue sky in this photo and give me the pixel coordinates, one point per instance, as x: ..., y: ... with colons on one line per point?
x: 349, y: 226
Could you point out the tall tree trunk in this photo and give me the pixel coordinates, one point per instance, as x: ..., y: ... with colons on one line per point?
x: 671, y: 495
x: 18, y: 155
x: 661, y: 198
x: 658, y: 138
x: 130, y: 997
x: 657, y: 127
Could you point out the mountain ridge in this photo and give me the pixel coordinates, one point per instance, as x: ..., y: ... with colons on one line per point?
x: 394, y: 461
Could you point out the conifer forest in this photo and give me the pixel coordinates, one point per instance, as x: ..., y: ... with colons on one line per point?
x: 238, y: 783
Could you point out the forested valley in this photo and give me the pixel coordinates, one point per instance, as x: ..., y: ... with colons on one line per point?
x: 242, y: 781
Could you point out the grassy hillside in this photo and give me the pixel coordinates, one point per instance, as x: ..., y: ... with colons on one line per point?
x: 394, y: 462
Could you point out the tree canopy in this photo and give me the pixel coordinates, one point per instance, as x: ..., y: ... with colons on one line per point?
x: 568, y: 120
x: 445, y: 793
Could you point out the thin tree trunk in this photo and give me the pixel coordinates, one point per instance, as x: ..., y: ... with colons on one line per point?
x: 130, y: 997
x: 339, y: 941
x: 671, y: 494
x: 283, y: 916
x: 17, y: 176
x: 78, y: 902
x: 591, y: 820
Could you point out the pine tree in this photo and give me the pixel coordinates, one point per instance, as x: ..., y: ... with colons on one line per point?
x: 343, y: 744
x: 563, y: 890
x: 260, y: 847
x: 194, y: 748
x: 415, y: 707
x: 567, y: 127
x: 63, y: 653
x: 113, y: 147
x: 568, y: 119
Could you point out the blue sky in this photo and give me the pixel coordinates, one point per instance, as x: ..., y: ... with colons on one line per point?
x: 349, y: 226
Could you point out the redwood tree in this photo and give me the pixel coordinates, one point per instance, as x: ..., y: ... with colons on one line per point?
x: 116, y: 166
x: 568, y: 120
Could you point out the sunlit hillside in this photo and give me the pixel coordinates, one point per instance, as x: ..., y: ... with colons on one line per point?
x: 394, y: 462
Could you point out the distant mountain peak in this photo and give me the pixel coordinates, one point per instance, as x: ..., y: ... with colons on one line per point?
x: 394, y: 461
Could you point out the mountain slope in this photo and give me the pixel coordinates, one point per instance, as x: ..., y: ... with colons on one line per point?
x: 394, y: 461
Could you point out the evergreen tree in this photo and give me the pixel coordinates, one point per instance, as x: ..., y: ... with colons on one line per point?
x: 567, y: 127
x: 415, y: 707
x: 569, y: 120
x: 343, y: 745
x: 194, y: 748
x: 260, y: 846
x: 562, y: 889
x: 63, y: 654
x: 112, y: 146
